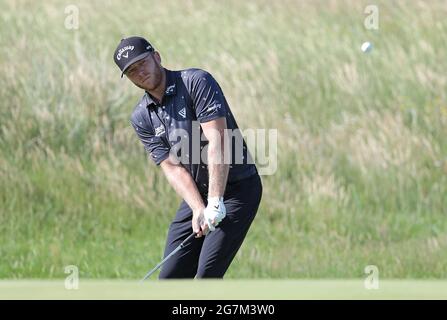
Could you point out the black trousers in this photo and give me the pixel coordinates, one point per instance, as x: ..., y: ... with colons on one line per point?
x: 210, y: 256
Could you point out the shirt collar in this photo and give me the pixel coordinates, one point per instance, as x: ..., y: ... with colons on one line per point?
x: 169, y: 91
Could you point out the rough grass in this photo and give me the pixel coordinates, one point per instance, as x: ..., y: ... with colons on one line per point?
x: 362, y: 154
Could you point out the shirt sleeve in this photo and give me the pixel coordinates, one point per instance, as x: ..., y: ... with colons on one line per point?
x: 208, y: 98
x: 155, y: 147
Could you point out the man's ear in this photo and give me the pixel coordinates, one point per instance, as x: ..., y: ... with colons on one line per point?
x: 157, y: 57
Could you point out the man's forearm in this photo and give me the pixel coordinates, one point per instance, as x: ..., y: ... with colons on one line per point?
x: 217, y: 169
x: 182, y: 182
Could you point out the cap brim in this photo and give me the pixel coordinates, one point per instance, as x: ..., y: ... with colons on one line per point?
x: 137, y: 58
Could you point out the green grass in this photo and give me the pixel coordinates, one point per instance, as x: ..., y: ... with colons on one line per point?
x: 224, y: 290
x: 362, y: 154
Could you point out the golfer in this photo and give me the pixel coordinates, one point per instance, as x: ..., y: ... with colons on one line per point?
x: 186, y: 126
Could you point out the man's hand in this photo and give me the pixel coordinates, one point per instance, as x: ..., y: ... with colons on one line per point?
x: 214, y: 212
x: 199, y: 225
x: 185, y: 186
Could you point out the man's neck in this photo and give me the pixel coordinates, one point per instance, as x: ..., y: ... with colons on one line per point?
x: 159, y: 92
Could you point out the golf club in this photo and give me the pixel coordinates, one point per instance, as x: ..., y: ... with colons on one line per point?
x: 181, y: 245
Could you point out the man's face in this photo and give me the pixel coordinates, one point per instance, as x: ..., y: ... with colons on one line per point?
x: 146, y: 73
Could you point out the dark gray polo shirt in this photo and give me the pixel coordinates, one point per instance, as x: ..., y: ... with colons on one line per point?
x: 192, y: 97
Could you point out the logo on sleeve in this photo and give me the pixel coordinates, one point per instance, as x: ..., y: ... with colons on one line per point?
x: 182, y: 113
x: 159, y: 130
x: 215, y: 107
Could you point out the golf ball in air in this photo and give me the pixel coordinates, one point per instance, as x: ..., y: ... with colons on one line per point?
x: 366, y: 46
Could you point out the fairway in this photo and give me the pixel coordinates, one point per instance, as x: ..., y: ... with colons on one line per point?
x: 225, y: 290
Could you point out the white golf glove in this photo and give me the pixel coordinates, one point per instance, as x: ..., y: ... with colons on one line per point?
x: 215, y: 210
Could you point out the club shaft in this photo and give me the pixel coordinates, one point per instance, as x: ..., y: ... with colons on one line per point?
x: 168, y: 256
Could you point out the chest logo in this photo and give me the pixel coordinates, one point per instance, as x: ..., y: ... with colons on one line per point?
x: 182, y: 113
x: 170, y: 89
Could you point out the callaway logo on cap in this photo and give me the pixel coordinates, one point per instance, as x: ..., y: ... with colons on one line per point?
x: 122, y: 54
x: 131, y: 50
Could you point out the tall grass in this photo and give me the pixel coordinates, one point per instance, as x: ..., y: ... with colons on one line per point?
x: 362, y: 154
